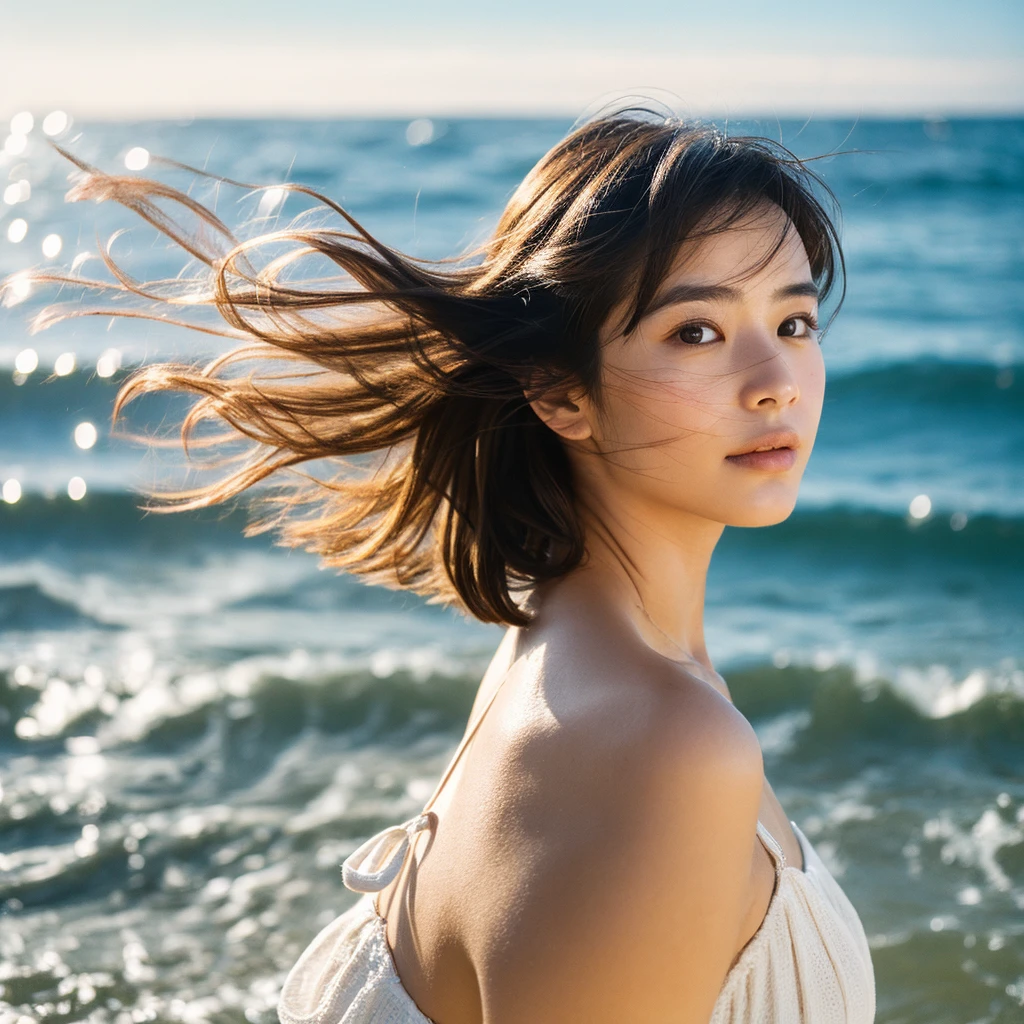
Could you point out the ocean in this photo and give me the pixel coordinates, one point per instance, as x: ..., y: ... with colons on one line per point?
x: 196, y: 728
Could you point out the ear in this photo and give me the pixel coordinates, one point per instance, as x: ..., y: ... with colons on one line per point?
x: 565, y: 411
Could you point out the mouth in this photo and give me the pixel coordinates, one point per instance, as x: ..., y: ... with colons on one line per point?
x: 771, y: 452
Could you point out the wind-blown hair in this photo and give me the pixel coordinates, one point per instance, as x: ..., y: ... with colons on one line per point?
x: 423, y: 364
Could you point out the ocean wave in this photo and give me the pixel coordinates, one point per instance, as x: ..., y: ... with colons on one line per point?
x: 840, y: 713
x: 941, y: 383
x: 112, y: 521
x: 264, y: 704
x: 873, y: 537
x: 931, y: 182
x: 115, y: 523
x: 28, y: 607
x: 262, y: 708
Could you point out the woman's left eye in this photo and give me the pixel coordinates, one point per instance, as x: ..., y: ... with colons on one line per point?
x: 798, y: 327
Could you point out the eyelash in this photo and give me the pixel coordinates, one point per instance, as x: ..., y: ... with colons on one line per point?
x: 808, y: 318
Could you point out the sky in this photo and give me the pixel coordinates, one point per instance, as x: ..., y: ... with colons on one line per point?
x: 126, y: 58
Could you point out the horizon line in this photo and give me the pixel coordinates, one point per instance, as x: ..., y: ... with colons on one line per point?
x: 119, y: 83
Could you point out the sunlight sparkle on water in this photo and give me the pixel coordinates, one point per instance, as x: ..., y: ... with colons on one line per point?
x: 26, y: 728
x: 17, y: 289
x: 22, y: 123
x: 271, y: 199
x: 52, y: 245
x: 137, y: 158
x: 17, y: 229
x: 11, y: 491
x: 85, y: 435
x: 64, y: 364
x: 420, y: 132
x: 108, y: 363
x: 82, y: 745
x: 26, y: 360
x: 76, y: 488
x: 920, y: 507
x: 18, y: 192
x: 55, y: 122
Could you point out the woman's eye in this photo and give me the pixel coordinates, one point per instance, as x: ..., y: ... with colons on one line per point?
x: 797, y: 327
x: 696, y: 334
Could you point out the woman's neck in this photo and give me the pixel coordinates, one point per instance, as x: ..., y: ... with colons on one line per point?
x: 652, y: 565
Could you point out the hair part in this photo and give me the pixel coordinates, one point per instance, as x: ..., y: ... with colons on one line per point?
x: 423, y: 365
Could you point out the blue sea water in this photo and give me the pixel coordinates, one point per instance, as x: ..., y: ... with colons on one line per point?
x: 195, y: 728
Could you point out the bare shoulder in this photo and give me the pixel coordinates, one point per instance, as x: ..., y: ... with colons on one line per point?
x: 637, y: 892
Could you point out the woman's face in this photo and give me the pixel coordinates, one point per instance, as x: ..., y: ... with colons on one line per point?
x: 724, y: 362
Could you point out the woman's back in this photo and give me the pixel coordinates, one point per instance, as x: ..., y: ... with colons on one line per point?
x: 585, y: 762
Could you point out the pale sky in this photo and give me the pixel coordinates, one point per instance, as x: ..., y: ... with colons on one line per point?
x: 126, y: 58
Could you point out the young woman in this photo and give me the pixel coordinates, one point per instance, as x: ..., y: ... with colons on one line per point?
x: 557, y: 429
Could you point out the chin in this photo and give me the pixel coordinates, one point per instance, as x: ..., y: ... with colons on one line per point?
x: 767, y: 514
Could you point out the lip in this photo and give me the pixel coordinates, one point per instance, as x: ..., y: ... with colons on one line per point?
x: 782, y: 445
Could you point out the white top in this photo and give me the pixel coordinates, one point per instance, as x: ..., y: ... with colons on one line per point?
x: 808, y: 962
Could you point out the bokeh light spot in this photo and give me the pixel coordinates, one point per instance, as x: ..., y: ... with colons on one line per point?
x: 921, y: 507
x: 969, y: 896
x: 18, y: 192
x: 137, y: 158
x: 55, y: 122
x: 26, y: 729
x: 22, y: 123
x: 16, y: 289
x: 85, y: 435
x: 14, y: 145
x: 26, y: 360
x: 108, y: 363
x: 420, y: 132
x: 64, y: 364
x: 11, y: 491
x: 76, y: 488
x: 52, y: 244
x: 17, y: 229
x: 957, y: 521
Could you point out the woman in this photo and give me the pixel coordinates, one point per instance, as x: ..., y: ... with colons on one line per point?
x: 559, y: 430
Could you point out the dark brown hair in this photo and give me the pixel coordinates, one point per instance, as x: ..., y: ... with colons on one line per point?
x: 422, y: 365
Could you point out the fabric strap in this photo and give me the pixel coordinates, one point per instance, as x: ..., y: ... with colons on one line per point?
x: 378, y: 861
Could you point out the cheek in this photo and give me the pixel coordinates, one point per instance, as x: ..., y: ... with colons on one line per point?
x: 812, y: 382
x: 666, y: 409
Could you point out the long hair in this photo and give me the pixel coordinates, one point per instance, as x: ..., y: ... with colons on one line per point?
x: 426, y: 367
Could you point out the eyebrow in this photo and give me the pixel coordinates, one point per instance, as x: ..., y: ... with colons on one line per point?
x: 681, y: 293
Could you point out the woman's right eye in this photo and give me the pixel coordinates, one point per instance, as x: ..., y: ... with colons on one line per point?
x: 696, y: 334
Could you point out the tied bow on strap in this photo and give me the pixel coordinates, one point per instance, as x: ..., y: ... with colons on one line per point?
x: 377, y: 862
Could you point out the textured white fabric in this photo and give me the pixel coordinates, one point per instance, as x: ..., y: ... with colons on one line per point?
x: 808, y: 963
x: 347, y: 975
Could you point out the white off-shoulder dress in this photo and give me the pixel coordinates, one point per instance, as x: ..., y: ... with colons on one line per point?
x: 808, y: 963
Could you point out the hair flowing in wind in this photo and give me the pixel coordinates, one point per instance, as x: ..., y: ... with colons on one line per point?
x: 426, y: 367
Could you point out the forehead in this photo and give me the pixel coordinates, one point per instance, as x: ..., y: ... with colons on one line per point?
x: 747, y: 254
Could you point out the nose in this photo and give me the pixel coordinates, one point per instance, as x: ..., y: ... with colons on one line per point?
x: 769, y: 380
